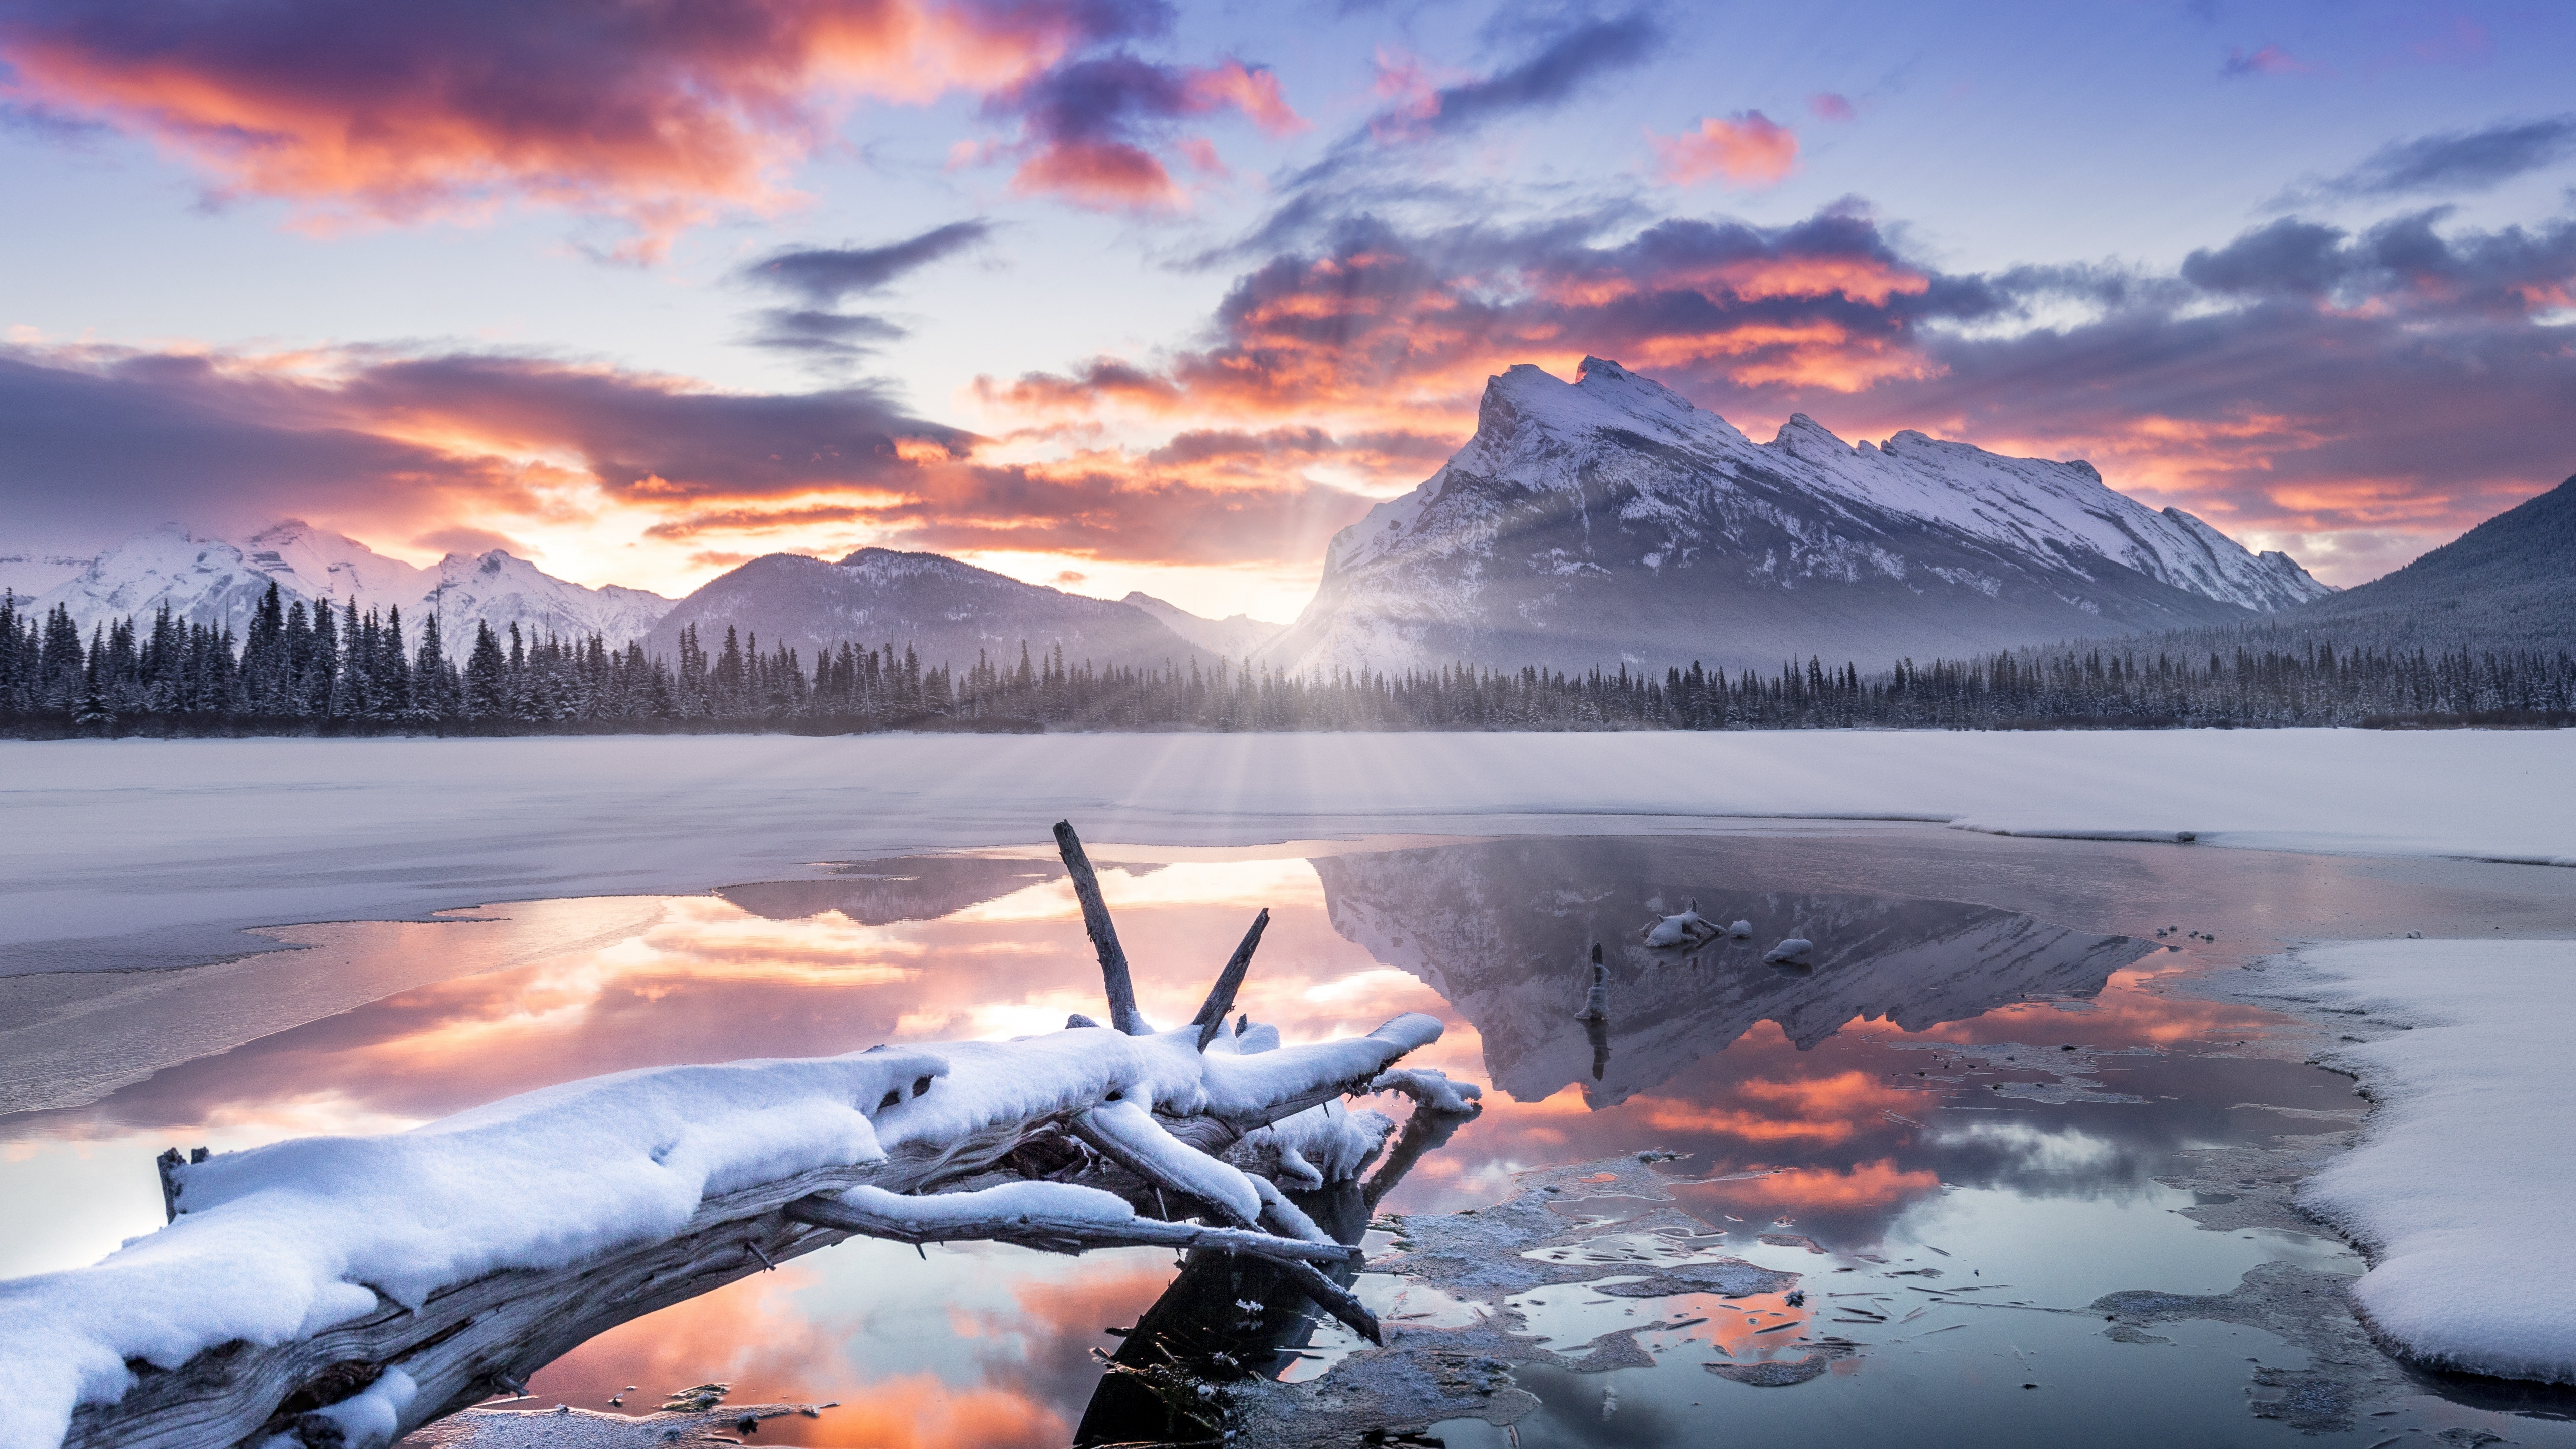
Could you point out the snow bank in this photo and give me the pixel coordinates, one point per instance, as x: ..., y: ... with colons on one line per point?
x: 278, y: 1242
x: 144, y: 852
x: 2461, y: 1186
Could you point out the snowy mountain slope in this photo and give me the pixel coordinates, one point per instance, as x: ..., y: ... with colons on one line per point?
x: 218, y: 583
x: 2510, y: 581
x: 949, y: 611
x: 502, y: 588
x: 30, y: 572
x: 1610, y: 519
x: 202, y: 579
x: 1234, y: 637
x: 311, y: 564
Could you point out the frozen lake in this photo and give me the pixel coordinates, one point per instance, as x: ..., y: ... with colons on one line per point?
x: 1993, y: 1077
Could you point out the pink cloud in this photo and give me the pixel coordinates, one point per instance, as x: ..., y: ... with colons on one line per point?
x: 1747, y: 149
x: 2264, y: 60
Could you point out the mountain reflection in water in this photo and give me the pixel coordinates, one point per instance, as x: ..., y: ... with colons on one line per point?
x: 1808, y: 1093
x: 1501, y: 930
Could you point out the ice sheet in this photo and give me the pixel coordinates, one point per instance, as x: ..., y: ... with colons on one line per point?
x: 128, y: 852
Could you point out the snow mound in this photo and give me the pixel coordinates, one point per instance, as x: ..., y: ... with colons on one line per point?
x: 2458, y: 1190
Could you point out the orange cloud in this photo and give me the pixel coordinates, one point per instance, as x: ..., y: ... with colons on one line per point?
x: 1816, y: 1189
x: 1256, y: 93
x: 1747, y: 149
x: 1103, y: 175
x: 660, y: 117
x: 1090, y: 129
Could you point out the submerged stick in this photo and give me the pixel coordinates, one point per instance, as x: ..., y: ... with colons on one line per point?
x: 1220, y: 997
x: 1114, y: 977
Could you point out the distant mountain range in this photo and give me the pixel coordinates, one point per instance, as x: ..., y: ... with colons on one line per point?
x: 218, y: 583
x: 1585, y: 524
x: 1609, y: 519
x: 1237, y: 636
x: 949, y: 611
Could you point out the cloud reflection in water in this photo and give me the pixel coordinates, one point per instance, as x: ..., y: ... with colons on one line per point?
x: 1795, y: 1093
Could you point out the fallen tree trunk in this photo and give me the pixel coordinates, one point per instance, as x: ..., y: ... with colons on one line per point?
x: 933, y: 1118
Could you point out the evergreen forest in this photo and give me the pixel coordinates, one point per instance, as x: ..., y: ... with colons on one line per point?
x: 327, y: 671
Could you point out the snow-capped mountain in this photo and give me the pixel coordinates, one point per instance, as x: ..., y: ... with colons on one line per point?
x: 1609, y: 519
x: 219, y: 583
x: 947, y: 610
x: 1235, y: 636
x: 501, y: 588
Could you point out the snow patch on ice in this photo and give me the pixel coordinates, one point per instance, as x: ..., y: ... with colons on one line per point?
x: 2460, y: 1187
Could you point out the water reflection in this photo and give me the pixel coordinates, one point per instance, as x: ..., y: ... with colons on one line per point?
x: 1500, y: 929
x: 1917, y: 1064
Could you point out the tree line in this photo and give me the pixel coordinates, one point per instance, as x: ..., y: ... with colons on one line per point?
x: 320, y: 670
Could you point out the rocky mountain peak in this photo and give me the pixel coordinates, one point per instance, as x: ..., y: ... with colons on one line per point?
x: 1609, y: 519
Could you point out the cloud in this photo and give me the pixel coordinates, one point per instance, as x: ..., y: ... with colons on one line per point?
x: 2264, y: 60
x: 1747, y: 149
x: 457, y: 539
x: 106, y: 442
x: 1394, y: 332
x: 2357, y: 396
x: 1555, y: 73
x: 823, y: 276
x: 2457, y: 162
x: 826, y: 339
x: 1104, y: 504
x: 1091, y: 130
x: 111, y: 440
x: 1828, y: 106
x: 660, y: 117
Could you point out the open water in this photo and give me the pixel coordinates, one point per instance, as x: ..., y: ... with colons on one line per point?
x: 1976, y: 1084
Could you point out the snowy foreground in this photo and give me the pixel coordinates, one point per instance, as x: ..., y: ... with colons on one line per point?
x: 280, y: 1242
x: 2461, y: 1187
x: 139, y: 852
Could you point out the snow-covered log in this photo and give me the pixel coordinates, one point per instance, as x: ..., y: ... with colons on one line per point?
x: 345, y: 1290
x: 1058, y: 1217
x: 1431, y: 1089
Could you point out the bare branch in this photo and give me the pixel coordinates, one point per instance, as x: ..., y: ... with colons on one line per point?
x: 1220, y: 997
x: 1043, y: 1230
x: 1114, y: 977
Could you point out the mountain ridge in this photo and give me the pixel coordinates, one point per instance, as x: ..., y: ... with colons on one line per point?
x: 951, y: 612
x: 2512, y: 576
x: 218, y: 582
x: 1610, y: 519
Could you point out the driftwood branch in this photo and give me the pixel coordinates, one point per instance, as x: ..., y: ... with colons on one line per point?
x: 1114, y: 975
x: 1220, y: 997
x: 469, y: 1340
x: 464, y: 1341
x: 1064, y: 1233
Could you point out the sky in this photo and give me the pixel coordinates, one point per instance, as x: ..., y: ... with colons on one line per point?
x: 1115, y: 294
